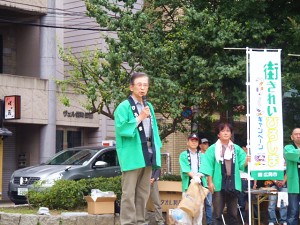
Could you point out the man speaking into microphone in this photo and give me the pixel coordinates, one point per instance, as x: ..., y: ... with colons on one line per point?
x: 138, y: 148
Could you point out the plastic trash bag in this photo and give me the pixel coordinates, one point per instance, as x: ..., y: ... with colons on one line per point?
x: 95, y: 193
x: 180, y: 217
x: 43, y: 211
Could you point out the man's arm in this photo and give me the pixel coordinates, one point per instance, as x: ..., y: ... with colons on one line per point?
x: 291, y: 153
x: 211, y: 186
x: 156, y: 174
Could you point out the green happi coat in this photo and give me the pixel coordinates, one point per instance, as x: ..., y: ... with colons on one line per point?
x: 186, y: 168
x: 128, y: 141
x: 291, y: 155
x: 211, y: 167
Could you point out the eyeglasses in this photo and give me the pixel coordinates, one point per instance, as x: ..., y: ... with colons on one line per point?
x: 145, y: 85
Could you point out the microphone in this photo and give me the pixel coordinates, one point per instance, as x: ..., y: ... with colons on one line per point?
x: 144, y: 100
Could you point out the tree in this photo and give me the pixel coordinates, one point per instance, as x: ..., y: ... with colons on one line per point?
x: 180, y: 44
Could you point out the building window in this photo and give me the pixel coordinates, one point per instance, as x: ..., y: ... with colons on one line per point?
x: 59, y: 140
x: 67, y: 139
x: 74, y: 138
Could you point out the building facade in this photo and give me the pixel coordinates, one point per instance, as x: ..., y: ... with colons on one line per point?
x: 29, y: 34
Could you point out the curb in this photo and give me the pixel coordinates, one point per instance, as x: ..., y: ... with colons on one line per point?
x: 31, y: 219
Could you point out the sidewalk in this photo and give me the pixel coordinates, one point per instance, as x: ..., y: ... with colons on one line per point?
x: 6, y: 203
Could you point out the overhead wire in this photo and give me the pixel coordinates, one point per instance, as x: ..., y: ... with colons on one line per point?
x: 68, y: 17
x: 53, y: 26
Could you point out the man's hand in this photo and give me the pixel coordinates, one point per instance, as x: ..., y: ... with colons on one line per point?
x: 279, y: 183
x: 152, y: 180
x: 255, y: 184
x: 197, y: 179
x: 211, y: 187
x: 145, y: 112
x: 248, y: 160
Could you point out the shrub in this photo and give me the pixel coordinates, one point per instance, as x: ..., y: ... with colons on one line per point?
x: 171, y: 177
x: 69, y: 194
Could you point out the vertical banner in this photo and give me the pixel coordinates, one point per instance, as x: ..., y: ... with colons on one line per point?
x: 266, y: 130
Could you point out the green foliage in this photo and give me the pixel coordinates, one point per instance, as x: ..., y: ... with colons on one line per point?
x: 180, y: 44
x: 69, y: 194
x: 291, y: 118
x: 171, y: 177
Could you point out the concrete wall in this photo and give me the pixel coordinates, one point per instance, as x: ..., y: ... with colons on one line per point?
x: 34, y: 99
x: 75, y: 115
x: 28, y: 50
x: 34, y: 95
x: 34, y: 6
x: 28, y: 142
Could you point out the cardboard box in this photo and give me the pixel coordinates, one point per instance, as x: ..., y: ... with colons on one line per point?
x: 170, y: 193
x: 102, y: 205
x: 169, y: 186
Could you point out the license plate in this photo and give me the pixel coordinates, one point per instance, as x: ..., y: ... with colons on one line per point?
x: 22, y: 191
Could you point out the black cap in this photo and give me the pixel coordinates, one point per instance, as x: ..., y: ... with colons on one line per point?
x: 193, y: 136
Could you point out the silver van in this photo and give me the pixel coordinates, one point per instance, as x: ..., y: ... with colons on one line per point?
x: 70, y: 164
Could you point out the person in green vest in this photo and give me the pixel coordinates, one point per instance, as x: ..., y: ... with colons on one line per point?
x: 138, y: 147
x: 190, y: 162
x: 292, y: 159
x: 222, y: 164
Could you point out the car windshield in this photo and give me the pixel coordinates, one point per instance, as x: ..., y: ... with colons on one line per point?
x: 72, y: 157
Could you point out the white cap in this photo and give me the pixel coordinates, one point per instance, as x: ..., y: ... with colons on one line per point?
x: 203, y: 140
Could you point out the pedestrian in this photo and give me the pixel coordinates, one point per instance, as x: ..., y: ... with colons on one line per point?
x: 138, y: 147
x: 204, y: 144
x: 190, y: 161
x: 222, y: 164
x: 292, y: 160
x: 154, y: 196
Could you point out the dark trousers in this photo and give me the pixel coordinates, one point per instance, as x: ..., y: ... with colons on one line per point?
x: 220, y: 198
x: 293, y: 209
x: 243, y: 200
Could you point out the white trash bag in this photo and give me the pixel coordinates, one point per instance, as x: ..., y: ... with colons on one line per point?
x: 95, y: 193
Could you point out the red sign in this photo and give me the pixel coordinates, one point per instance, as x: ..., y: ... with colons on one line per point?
x: 12, y: 107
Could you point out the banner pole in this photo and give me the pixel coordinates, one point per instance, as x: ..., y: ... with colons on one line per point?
x: 248, y: 132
